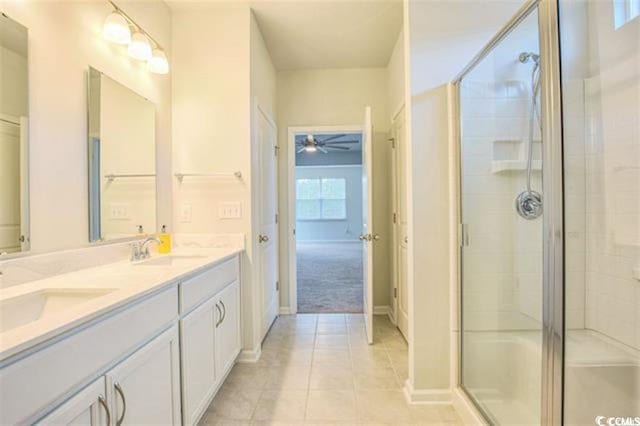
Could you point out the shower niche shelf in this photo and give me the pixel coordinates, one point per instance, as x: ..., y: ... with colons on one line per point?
x: 511, y: 155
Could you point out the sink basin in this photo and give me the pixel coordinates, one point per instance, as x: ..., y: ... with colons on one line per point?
x: 30, y: 307
x: 172, y: 259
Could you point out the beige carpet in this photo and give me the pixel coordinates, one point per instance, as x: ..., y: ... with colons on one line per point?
x: 329, y: 277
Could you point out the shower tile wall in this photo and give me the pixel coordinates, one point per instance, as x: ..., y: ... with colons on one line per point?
x: 502, y: 266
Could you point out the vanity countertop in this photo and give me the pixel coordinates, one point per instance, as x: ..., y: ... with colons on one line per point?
x: 111, y: 286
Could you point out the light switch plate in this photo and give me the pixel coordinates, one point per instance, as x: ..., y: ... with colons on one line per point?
x: 119, y: 211
x: 230, y: 210
x: 186, y: 213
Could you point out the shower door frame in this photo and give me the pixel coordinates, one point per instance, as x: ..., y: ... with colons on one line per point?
x: 552, y: 367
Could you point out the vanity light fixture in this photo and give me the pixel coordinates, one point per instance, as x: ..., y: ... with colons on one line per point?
x: 118, y: 28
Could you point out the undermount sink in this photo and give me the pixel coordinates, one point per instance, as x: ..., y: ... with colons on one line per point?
x: 170, y: 260
x: 42, y: 304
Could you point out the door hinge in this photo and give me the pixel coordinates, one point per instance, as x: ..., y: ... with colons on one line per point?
x: 395, y: 292
x: 277, y: 285
x: 276, y: 149
x: 395, y: 218
x: 393, y: 143
x: 276, y: 218
x: 463, y: 235
x: 294, y: 231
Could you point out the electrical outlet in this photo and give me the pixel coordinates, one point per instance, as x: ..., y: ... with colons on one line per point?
x: 186, y: 213
x: 230, y: 210
x: 119, y: 211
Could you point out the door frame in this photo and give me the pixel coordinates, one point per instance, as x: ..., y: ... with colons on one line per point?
x: 395, y: 182
x: 291, y: 199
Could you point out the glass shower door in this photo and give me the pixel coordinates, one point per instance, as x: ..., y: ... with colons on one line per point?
x: 600, y: 45
x: 501, y: 207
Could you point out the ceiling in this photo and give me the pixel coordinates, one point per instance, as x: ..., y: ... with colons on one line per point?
x: 306, y: 34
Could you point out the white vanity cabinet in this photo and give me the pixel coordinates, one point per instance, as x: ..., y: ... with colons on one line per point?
x: 228, y: 327
x: 145, y: 387
x: 87, y: 407
x: 159, y: 359
x: 209, y: 337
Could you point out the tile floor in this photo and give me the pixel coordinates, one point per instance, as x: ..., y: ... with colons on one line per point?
x: 318, y: 369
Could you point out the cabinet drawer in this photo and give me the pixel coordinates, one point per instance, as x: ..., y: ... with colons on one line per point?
x: 204, y: 285
x: 30, y: 386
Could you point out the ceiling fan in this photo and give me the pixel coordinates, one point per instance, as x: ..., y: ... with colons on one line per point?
x: 313, y: 144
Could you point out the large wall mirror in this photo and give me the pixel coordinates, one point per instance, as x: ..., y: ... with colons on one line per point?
x: 14, y: 149
x: 122, y: 160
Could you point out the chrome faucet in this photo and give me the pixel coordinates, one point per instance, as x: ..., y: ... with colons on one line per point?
x: 140, y: 250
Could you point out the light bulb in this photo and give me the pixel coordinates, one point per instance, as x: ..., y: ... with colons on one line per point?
x: 158, y: 62
x: 310, y: 148
x: 139, y: 48
x: 116, y: 29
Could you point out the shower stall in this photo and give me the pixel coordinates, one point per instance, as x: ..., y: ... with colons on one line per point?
x: 549, y: 205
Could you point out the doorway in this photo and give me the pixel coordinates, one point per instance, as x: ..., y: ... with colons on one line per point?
x: 329, y: 218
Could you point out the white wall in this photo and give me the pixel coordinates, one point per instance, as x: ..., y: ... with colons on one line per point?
x: 441, y: 38
x: 64, y: 40
x: 334, y: 230
x: 330, y: 97
x: 396, y: 77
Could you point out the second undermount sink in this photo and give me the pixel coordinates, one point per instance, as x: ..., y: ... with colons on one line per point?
x: 170, y: 260
x: 42, y: 304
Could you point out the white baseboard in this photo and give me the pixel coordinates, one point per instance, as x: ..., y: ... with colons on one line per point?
x: 250, y: 355
x: 426, y: 396
x: 466, y: 410
x: 384, y: 310
x: 286, y: 310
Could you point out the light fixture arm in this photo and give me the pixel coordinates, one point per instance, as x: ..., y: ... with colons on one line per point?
x: 135, y: 24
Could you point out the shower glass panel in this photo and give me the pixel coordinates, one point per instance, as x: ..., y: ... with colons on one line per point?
x: 501, y: 204
x: 600, y: 45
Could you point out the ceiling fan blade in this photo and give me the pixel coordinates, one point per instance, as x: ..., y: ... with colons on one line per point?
x: 341, y: 148
x: 321, y: 149
x: 340, y: 142
x: 300, y: 150
x: 330, y: 138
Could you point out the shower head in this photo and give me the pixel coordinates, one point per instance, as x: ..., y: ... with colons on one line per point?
x: 524, y: 57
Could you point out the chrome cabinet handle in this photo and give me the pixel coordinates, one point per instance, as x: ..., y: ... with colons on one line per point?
x: 263, y: 238
x: 224, y: 312
x: 220, y: 318
x: 124, y: 403
x: 103, y: 402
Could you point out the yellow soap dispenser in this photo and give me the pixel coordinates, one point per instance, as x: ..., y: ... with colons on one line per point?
x: 165, y: 241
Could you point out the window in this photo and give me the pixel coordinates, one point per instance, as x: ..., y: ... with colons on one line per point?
x: 624, y: 11
x: 321, y: 199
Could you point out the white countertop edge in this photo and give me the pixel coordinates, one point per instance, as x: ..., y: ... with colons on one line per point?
x: 22, y: 342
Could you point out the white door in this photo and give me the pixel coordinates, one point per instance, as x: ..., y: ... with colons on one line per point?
x: 198, y: 359
x: 228, y: 328
x: 401, y: 301
x: 268, y: 228
x: 367, y: 237
x: 146, y: 386
x: 87, y: 407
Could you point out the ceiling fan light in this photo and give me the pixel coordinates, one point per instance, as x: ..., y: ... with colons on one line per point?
x: 140, y: 48
x: 116, y: 29
x: 310, y: 148
x: 158, y: 62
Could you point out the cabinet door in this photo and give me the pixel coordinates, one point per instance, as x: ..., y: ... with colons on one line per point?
x: 87, y: 407
x: 228, y: 328
x: 198, y: 345
x: 146, y: 386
